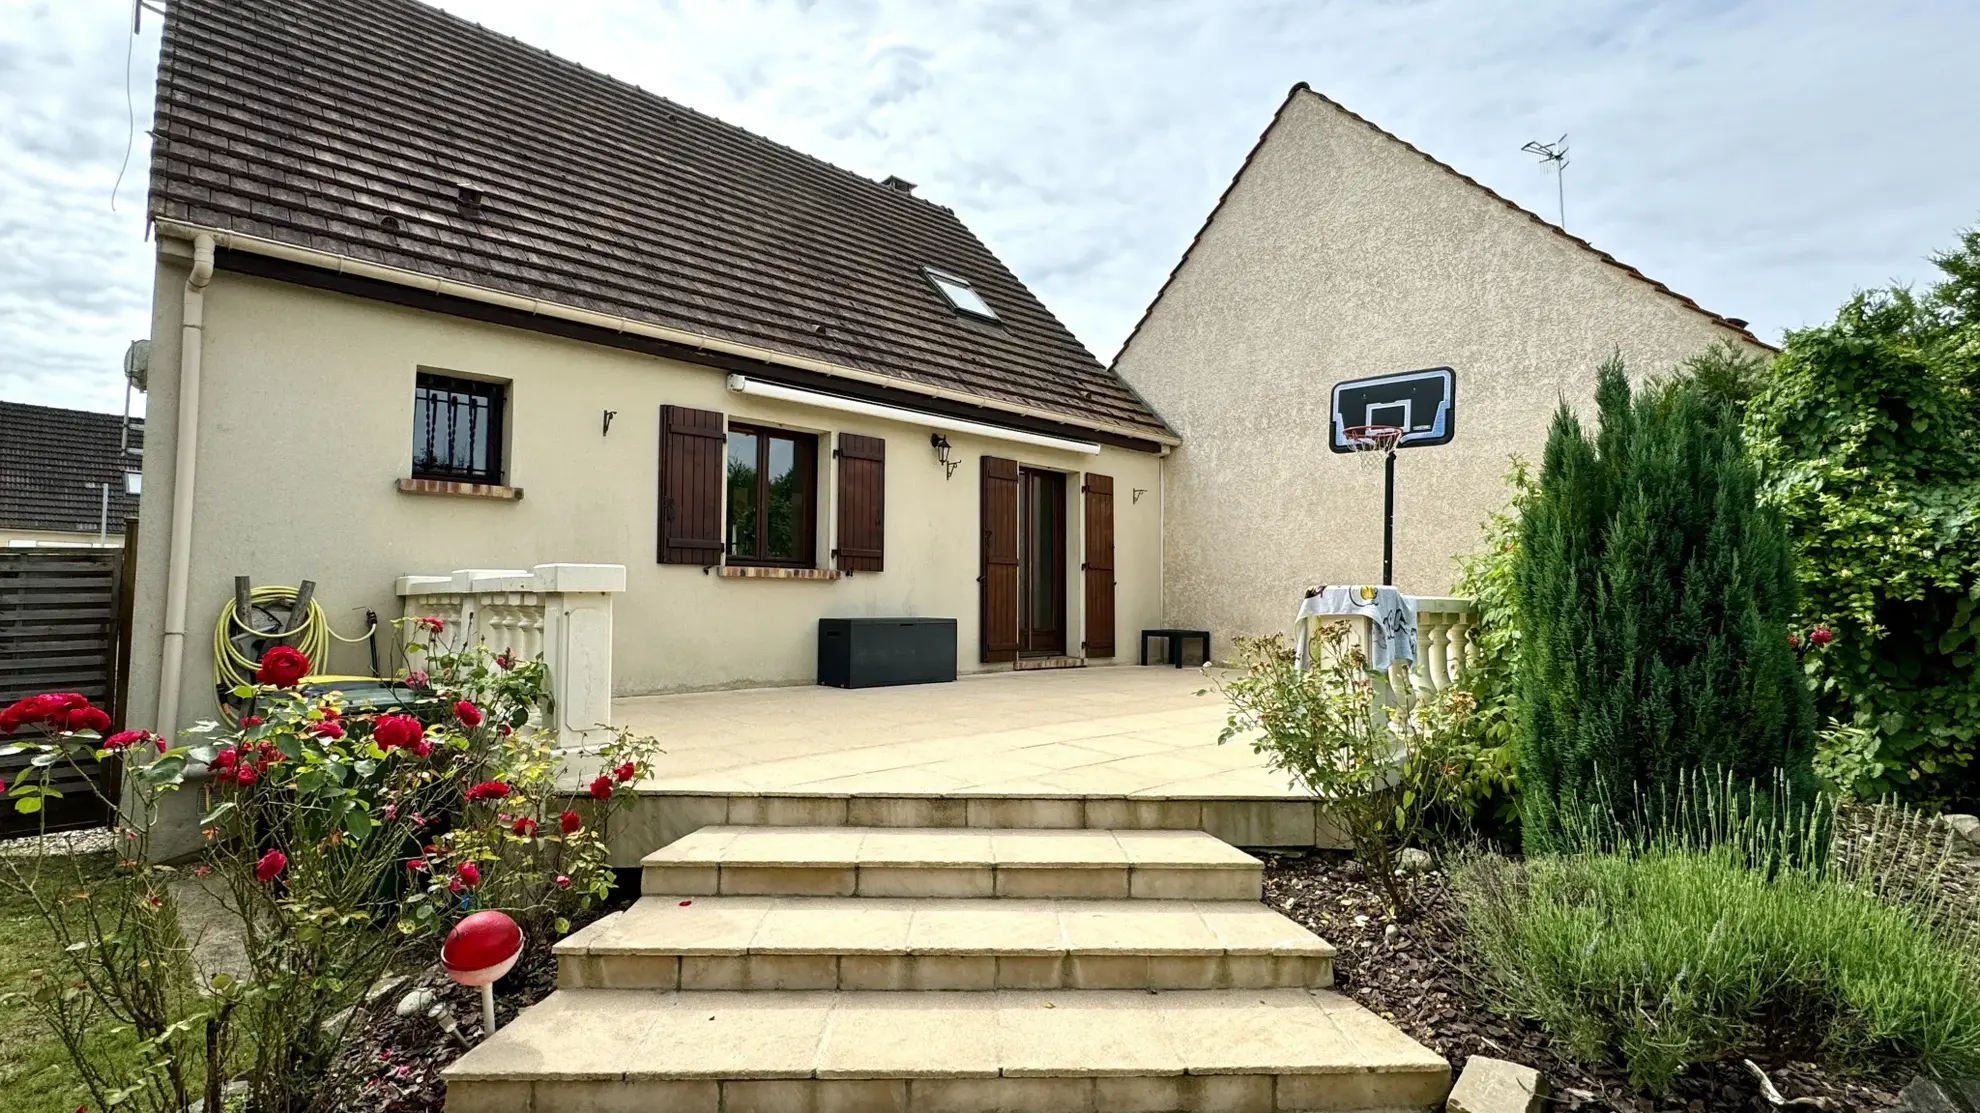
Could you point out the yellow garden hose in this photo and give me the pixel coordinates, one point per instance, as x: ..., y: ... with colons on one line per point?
x: 232, y: 668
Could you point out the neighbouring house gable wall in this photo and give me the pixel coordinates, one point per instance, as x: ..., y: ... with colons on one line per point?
x: 1340, y: 252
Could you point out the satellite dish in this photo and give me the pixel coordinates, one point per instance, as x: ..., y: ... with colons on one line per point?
x: 137, y: 363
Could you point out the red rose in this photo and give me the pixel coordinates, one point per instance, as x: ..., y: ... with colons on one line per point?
x: 434, y: 624
x: 526, y: 827
x: 87, y: 718
x: 1821, y: 635
x: 270, y: 866
x: 251, y: 721
x: 1794, y: 640
x: 421, y: 748
x: 49, y: 707
x: 282, y: 667
x: 417, y: 865
x: 601, y: 788
x: 125, y: 738
x: 469, y: 873
x: 568, y: 822
x: 330, y: 712
x: 396, y: 730
x: 623, y: 773
x: 563, y: 882
x: 160, y: 740
x: 488, y: 790
x: 506, y: 659
x: 454, y: 884
x: 507, y: 730
x: 246, y: 775
x: 225, y: 759
x: 326, y: 729
x: 416, y: 679
x: 467, y: 713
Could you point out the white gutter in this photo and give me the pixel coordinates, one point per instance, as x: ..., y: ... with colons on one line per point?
x: 178, y: 564
x: 743, y: 384
x: 345, y: 264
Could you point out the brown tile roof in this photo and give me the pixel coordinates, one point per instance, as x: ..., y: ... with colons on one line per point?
x: 1731, y: 323
x: 50, y: 462
x: 351, y: 126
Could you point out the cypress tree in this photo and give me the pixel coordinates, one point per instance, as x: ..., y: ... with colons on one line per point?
x: 1655, y: 594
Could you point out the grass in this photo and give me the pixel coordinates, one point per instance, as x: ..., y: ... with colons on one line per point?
x: 35, y: 1071
x: 1672, y: 950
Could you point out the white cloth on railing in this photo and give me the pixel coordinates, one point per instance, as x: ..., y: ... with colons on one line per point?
x: 1391, y: 619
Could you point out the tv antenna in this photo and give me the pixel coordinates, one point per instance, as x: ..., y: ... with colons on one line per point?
x: 1556, y: 153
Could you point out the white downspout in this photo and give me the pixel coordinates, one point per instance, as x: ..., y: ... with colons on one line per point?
x: 178, y: 566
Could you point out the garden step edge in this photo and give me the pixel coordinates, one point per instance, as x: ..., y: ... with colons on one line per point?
x: 1243, y: 1051
x: 948, y: 862
x: 737, y: 943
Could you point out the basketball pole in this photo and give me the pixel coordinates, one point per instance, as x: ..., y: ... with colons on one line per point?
x: 1389, y: 520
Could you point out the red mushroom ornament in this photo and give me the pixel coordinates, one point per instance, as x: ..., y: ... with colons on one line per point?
x: 479, y: 950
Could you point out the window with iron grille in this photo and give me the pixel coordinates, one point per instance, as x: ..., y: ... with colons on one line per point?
x: 457, y: 428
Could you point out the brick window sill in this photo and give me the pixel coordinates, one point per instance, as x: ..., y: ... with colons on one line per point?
x: 763, y: 572
x: 459, y: 490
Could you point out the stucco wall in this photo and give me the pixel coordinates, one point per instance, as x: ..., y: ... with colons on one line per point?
x: 306, y: 419
x: 1340, y: 253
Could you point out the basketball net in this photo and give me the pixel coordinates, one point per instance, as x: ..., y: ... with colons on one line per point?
x: 1373, y: 444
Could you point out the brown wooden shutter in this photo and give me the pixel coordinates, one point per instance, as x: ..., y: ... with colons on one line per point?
x: 999, y: 581
x: 862, y: 503
x: 692, y: 454
x: 1099, y: 565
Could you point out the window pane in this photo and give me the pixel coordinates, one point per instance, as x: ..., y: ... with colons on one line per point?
x: 786, y: 501
x: 742, y: 494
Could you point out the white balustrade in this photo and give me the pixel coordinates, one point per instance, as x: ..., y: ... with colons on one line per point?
x: 1445, y: 639
x: 562, y: 612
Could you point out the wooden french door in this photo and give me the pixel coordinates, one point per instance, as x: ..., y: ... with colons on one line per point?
x: 1023, y: 579
x: 1041, y: 562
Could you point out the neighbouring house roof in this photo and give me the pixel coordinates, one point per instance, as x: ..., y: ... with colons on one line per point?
x: 1733, y: 324
x: 397, y: 134
x: 52, y: 462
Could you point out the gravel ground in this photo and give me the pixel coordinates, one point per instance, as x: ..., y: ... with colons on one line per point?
x: 1415, y: 977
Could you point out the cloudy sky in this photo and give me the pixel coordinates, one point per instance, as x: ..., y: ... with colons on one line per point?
x: 1766, y: 157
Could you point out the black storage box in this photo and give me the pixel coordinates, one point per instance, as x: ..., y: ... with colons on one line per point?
x: 877, y: 652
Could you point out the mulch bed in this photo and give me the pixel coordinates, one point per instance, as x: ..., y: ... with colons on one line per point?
x: 1415, y: 977
x: 410, y: 1052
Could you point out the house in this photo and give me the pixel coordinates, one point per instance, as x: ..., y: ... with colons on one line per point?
x: 67, y: 477
x: 1340, y: 252
x: 428, y: 298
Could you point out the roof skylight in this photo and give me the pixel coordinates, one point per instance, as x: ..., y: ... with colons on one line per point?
x: 960, y: 294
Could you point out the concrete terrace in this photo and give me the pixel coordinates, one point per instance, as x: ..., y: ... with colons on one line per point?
x: 1114, y: 747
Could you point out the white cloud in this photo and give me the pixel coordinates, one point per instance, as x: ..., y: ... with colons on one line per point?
x: 1764, y: 158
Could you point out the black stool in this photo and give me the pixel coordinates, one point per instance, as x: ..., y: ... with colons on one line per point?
x: 1175, y: 638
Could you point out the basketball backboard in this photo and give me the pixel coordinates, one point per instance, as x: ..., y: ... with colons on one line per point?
x: 1423, y: 404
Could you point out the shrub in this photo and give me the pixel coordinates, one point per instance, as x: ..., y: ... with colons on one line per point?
x: 1654, y: 596
x: 1362, y: 742
x: 1662, y: 952
x: 343, y: 842
x: 1868, y: 437
x: 1485, y: 793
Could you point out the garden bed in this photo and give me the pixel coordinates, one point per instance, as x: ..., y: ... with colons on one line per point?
x: 1417, y: 978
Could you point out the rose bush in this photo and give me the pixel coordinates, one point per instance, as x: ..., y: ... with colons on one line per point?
x: 342, y: 841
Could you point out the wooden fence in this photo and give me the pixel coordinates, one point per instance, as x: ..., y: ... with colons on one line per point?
x: 62, y: 618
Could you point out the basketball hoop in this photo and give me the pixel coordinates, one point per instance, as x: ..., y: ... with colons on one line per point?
x: 1372, y: 444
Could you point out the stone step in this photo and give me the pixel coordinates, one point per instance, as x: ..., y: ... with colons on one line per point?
x: 946, y: 862
x: 866, y: 943
x: 1093, y: 1051
x: 657, y: 816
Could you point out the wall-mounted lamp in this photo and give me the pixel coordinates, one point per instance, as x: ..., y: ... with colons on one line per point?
x: 607, y: 430
x: 941, y: 445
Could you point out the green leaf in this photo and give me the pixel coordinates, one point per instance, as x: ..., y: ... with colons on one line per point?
x: 28, y: 805
x: 225, y: 809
